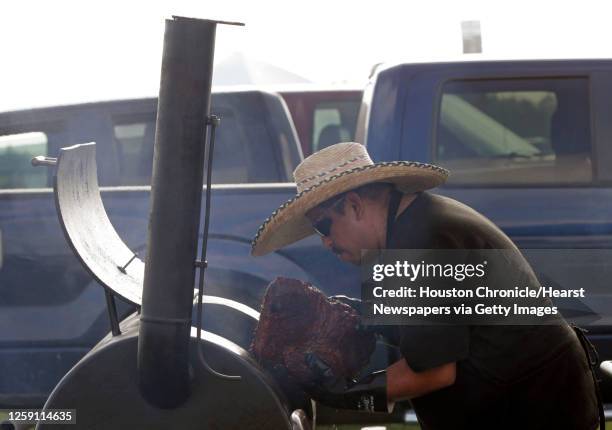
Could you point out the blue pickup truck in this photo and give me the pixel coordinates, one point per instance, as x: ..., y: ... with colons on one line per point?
x: 528, y: 144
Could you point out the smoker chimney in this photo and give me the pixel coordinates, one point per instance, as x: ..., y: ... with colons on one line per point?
x: 176, y: 195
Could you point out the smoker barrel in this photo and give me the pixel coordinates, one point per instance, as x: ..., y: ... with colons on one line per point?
x: 103, y: 390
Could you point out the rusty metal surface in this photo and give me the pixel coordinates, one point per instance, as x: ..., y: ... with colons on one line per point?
x: 87, y: 227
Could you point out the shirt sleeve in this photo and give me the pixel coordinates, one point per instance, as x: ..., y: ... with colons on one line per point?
x: 426, y: 347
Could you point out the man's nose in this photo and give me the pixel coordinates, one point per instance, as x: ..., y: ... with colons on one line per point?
x: 327, y: 242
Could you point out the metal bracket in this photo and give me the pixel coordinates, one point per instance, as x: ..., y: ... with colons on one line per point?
x: 43, y: 160
x: 122, y: 268
x: 112, y: 312
x: 213, y: 120
x: 201, y: 264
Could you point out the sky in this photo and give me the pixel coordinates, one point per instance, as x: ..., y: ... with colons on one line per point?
x: 61, y: 51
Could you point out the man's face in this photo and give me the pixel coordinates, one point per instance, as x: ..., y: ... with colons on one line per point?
x: 346, y: 233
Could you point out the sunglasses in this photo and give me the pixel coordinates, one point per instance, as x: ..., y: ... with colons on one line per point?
x: 323, y: 226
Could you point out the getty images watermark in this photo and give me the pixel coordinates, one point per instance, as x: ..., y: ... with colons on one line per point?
x: 485, y: 287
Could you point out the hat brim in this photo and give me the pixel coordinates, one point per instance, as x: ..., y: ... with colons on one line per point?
x: 288, y: 223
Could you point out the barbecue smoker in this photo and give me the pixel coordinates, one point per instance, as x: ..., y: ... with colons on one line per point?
x: 154, y: 370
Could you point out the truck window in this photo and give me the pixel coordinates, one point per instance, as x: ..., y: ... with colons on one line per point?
x: 243, y: 151
x: 134, y: 142
x: 333, y: 122
x: 16, y: 152
x: 515, y: 131
x: 231, y: 161
x: 323, y: 117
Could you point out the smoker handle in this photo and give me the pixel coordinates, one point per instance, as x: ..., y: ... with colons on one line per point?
x: 43, y: 160
x: 606, y: 369
x: 299, y: 420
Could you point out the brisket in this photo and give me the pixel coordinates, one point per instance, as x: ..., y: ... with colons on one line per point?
x: 297, y: 318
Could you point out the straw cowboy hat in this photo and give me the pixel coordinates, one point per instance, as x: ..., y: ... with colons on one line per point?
x: 329, y: 172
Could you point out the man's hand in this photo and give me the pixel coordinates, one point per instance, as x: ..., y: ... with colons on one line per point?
x: 387, y: 333
x: 369, y: 394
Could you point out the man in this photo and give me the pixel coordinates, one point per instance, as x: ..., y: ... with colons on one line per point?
x: 530, y: 377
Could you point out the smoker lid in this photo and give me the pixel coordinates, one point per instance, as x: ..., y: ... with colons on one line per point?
x: 88, y: 229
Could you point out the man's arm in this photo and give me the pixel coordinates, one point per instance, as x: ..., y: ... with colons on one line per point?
x: 404, y: 383
x: 378, y: 391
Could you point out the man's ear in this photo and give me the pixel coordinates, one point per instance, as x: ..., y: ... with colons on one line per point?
x: 355, y: 204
